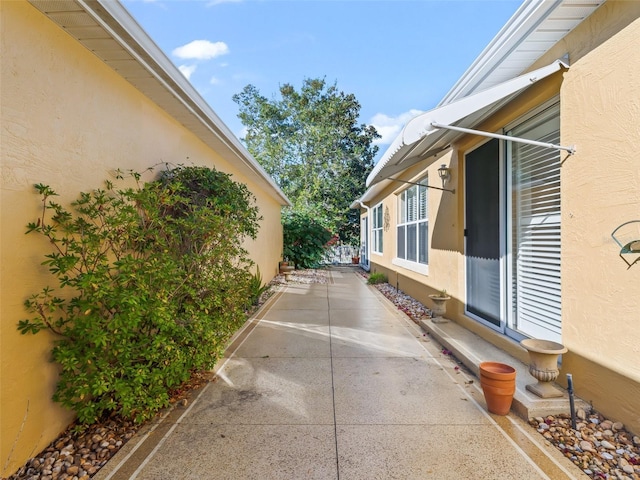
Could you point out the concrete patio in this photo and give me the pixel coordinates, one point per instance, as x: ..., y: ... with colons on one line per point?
x: 333, y: 382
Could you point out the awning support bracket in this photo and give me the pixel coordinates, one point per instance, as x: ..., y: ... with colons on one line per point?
x: 570, y: 149
x: 452, y: 190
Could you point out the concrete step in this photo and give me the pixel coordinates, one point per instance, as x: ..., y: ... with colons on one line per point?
x: 471, y: 350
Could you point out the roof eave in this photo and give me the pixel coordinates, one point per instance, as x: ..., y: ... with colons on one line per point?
x: 484, y: 73
x: 155, y: 76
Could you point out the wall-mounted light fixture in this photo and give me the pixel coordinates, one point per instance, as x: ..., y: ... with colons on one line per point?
x: 444, y: 173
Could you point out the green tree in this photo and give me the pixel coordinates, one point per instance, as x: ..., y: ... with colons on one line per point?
x: 304, y: 239
x: 311, y: 144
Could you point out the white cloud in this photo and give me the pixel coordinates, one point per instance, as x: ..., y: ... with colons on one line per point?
x: 389, y: 127
x: 187, y: 70
x: 201, y: 50
x: 214, y: 81
x: 218, y: 2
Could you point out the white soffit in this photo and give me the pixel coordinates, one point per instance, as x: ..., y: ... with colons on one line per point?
x: 535, y: 27
x: 107, y: 29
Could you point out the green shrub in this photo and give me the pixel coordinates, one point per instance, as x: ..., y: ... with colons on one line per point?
x: 153, y: 281
x: 304, y: 237
x: 376, y: 278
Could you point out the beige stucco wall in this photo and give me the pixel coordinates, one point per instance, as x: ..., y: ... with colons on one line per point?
x: 601, y: 190
x: 68, y: 121
x: 444, y: 241
x: 600, y: 114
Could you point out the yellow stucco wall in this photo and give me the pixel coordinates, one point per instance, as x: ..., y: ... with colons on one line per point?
x: 600, y: 114
x: 601, y: 190
x: 68, y: 120
x: 444, y: 223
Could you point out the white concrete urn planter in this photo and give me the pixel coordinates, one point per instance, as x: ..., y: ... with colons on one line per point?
x: 284, y: 267
x: 543, y: 365
x: 439, y: 307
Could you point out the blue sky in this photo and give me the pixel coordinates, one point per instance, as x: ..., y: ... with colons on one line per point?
x: 398, y: 57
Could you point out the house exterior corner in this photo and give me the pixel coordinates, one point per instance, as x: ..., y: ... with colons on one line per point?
x: 69, y: 120
x: 524, y: 244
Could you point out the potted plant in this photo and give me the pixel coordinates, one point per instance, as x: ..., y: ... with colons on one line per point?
x: 284, y: 266
x: 439, y: 304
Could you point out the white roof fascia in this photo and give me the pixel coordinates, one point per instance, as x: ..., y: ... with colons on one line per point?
x: 521, y: 24
x: 183, y: 102
x: 126, y: 21
x: 421, y: 127
x: 535, y: 27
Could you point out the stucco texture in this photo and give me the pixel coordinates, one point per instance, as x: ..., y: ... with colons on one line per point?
x: 445, y: 245
x: 600, y: 191
x: 69, y: 121
x: 600, y: 115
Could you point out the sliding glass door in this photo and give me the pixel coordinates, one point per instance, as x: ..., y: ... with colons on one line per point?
x: 512, y: 230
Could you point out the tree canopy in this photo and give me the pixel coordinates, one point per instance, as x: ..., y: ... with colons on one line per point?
x: 309, y: 141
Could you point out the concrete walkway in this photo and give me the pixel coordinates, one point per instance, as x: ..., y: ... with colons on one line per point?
x: 333, y: 382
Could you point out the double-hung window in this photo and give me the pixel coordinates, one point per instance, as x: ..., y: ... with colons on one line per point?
x: 413, y: 224
x: 377, y: 228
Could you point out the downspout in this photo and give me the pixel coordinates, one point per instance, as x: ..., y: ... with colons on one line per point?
x: 368, y: 233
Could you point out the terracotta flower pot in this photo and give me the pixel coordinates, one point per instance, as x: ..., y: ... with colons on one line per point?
x: 498, y: 382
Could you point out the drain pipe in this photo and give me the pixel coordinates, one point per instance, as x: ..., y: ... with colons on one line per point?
x: 368, y: 236
x: 572, y: 405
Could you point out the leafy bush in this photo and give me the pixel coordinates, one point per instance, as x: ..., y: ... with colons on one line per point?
x: 304, y: 237
x: 376, y: 278
x: 153, y: 282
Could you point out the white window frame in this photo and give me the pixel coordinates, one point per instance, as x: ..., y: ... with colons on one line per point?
x: 413, y: 212
x: 377, y: 242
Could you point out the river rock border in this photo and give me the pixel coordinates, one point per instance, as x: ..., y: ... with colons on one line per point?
x: 79, y: 455
x: 601, y: 448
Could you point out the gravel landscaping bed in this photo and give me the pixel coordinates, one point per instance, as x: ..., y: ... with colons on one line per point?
x: 601, y: 448
x: 307, y: 276
x: 78, y: 455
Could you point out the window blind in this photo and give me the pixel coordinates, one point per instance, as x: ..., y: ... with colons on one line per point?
x: 536, y: 229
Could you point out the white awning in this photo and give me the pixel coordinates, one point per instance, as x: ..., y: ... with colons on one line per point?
x: 427, y: 134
